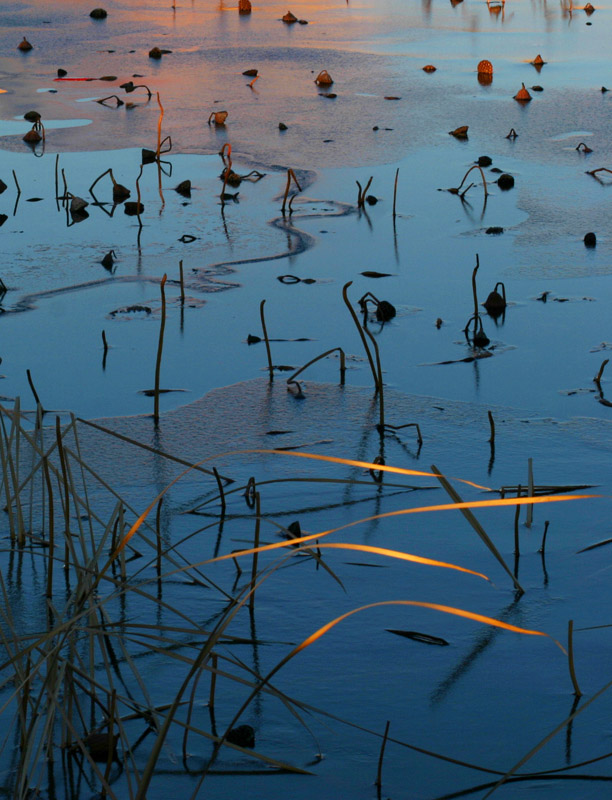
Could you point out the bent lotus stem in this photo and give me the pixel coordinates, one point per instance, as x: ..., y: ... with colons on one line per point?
x: 290, y: 176
x: 292, y: 378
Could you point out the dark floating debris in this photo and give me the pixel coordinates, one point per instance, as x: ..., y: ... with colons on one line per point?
x: 373, y: 274
x: 589, y: 9
x: 439, y: 323
x: 250, y: 73
x: 505, y: 181
x: 604, y: 90
x: 133, y: 209
x: 484, y: 161
x: 282, y: 126
x: 3, y: 186
x: 538, y: 61
x: 512, y: 135
x: 429, y: 68
x: 61, y: 73
x: 425, y: 638
x: 391, y: 97
x: 590, y: 240
x: 537, y: 88
x: 109, y: 260
x: 184, y: 188
x: 495, y: 303
x: 131, y: 310
x: 31, y: 116
x: 24, y: 45
x: 101, y: 746
x: 243, y: 736
x: 253, y: 339
x: 581, y: 147
x: 155, y: 53
x: 289, y: 18
x: 187, y: 238
x: 244, y: 6
x: 495, y: 230
x: 217, y: 117
x: 461, y: 132
x: 371, y: 200
x: 98, y: 13
x: 331, y: 96
x: 522, y: 96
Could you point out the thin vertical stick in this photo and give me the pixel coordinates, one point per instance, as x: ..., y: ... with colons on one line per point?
x: 57, y: 182
x: 267, y: 341
x: 159, y: 128
x: 255, y: 555
x: 543, y: 545
x: 395, y: 191
x: 517, y: 514
x: 16, y: 183
x: 492, y: 426
x: 476, y: 314
x: 32, y: 387
x: 182, y: 281
x: 221, y: 491
x: 361, y: 333
x: 529, y: 518
x: 104, y: 342
x: 160, y: 347
x: 111, y: 741
x: 158, y: 535
x: 213, y: 681
x: 570, y: 657
x: 49, y: 592
x: 381, y: 756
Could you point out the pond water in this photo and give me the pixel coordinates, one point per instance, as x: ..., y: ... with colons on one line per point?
x: 477, y: 705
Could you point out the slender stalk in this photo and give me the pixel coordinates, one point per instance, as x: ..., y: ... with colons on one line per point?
x: 221, y: 491
x: 361, y: 333
x: 182, y: 282
x: 492, y: 426
x: 517, y: 514
x: 267, y: 341
x: 255, y: 546
x: 33, y: 388
x: 570, y: 657
x: 381, y: 756
x: 395, y: 191
x: 158, y: 536
x: 51, y: 541
x: 160, y: 347
x: 529, y: 516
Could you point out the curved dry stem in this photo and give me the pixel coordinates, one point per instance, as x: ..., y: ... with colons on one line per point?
x: 292, y: 378
x: 360, y: 330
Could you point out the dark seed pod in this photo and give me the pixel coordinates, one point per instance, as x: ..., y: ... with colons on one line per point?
x: 132, y: 209
x: 243, y: 736
x: 590, y: 240
x: 496, y: 302
x: 505, y: 181
x: 385, y: 311
x: 98, y: 13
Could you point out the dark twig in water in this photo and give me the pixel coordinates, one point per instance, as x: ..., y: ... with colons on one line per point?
x: 598, y: 377
x: 517, y: 514
x: 361, y: 194
x: 182, y: 283
x: 290, y: 176
x: 360, y: 330
x: 292, y: 378
x: 255, y: 548
x: 104, y: 342
x: 33, y: 388
x: 492, y: 427
x: 160, y: 347
x: 380, y: 758
x: 543, y: 545
x: 389, y: 427
x: 221, y: 491
x: 570, y: 657
x: 267, y: 341
x: 395, y: 191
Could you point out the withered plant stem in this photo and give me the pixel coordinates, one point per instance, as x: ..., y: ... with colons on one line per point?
x: 484, y: 180
x: 474, y: 292
x: 16, y: 183
x: 160, y: 347
x: 213, y: 680
x: 51, y: 540
x: 57, y: 181
x: 182, y: 281
x: 395, y: 191
x: 104, y: 342
x: 517, y: 515
x: 360, y: 330
x: 290, y: 176
x: 543, y: 545
x: 570, y: 657
x: 379, y: 382
x: 255, y: 546
x: 598, y: 377
x: 33, y: 388
x: 266, y: 340
x: 292, y: 378
x: 137, y: 198
x: 492, y: 427
x: 110, y: 740
x: 221, y: 491
x: 158, y: 538
x: 381, y: 757
x: 529, y: 514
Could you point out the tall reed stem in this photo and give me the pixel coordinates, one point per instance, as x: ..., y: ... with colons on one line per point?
x: 267, y: 341
x: 160, y: 347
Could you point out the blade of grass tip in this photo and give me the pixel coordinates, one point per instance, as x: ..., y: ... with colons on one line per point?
x: 547, y: 738
x: 329, y: 625
x: 477, y: 526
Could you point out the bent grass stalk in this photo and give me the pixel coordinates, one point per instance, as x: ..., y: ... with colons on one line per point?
x: 160, y: 347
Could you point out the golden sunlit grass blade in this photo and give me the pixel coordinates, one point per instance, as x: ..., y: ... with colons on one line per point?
x: 383, y: 551
x: 477, y: 526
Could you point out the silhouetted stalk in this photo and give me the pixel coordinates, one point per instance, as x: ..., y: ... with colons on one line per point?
x: 529, y: 515
x: 395, y: 191
x: 138, y: 198
x: 158, y: 538
x: 160, y: 347
x: 213, y: 681
x: 255, y: 554
x: 111, y: 740
x: 361, y: 333
x: 182, y: 281
x: 51, y: 539
x: 290, y: 176
x: 221, y: 491
x: 570, y: 657
x: 381, y: 756
x: 543, y: 545
x: 267, y: 341
x: 492, y: 426
x: 33, y: 388
x: 517, y: 514
x: 159, y: 128
x: 381, y: 393
x: 16, y: 183
x: 57, y: 181
x: 318, y: 358
x: 104, y: 342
